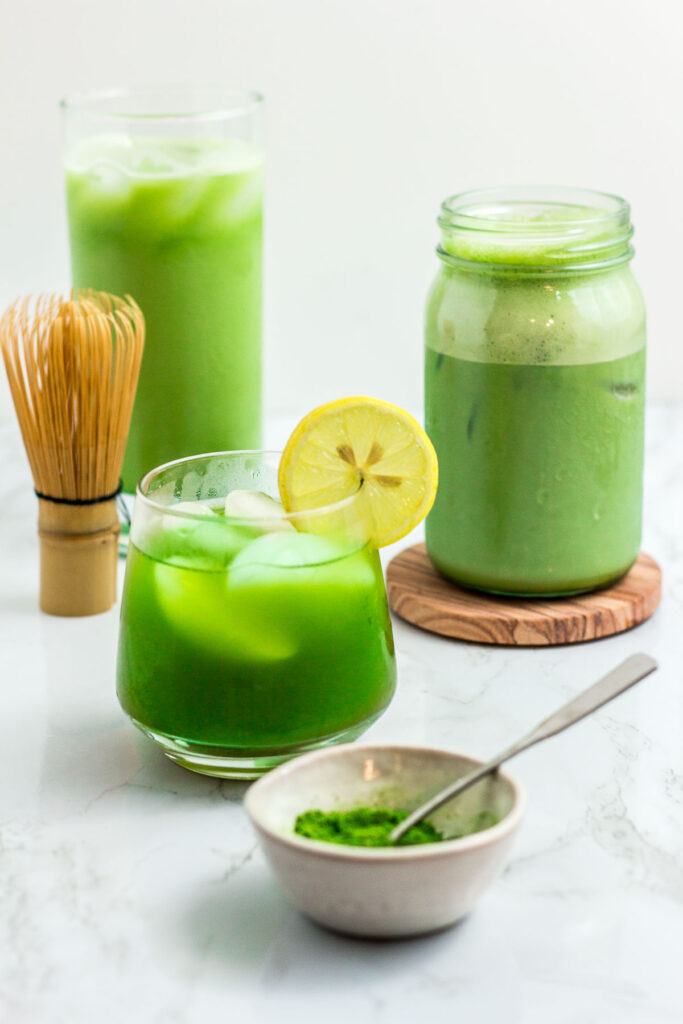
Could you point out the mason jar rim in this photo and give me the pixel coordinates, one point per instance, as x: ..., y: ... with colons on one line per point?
x: 493, y: 225
x: 462, y: 206
x: 203, y: 103
x: 323, y: 510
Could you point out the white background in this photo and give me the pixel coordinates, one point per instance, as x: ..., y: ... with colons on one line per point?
x: 376, y: 111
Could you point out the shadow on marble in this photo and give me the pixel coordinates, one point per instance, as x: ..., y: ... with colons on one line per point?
x: 84, y: 762
x: 156, y: 771
x: 236, y: 919
x: 245, y: 920
x: 98, y: 761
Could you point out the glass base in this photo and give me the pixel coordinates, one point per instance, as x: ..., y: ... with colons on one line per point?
x: 540, y: 595
x: 522, y: 593
x: 231, y: 763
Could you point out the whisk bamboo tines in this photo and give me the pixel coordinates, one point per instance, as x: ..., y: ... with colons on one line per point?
x: 72, y: 365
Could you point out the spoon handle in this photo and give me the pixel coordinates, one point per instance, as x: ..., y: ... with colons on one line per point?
x: 630, y: 671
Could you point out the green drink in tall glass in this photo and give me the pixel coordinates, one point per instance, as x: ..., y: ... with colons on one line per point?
x: 248, y: 636
x: 164, y: 201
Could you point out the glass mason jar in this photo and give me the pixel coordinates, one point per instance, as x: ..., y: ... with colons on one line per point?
x: 534, y: 391
x: 164, y: 190
x: 248, y: 639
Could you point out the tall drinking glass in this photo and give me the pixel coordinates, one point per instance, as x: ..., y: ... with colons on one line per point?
x: 164, y: 199
x: 246, y: 640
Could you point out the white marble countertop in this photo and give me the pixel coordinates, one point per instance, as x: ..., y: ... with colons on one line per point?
x: 133, y: 891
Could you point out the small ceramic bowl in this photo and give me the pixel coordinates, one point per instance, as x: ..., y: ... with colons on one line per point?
x: 383, y: 892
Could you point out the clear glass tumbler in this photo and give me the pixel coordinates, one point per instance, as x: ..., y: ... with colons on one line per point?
x: 247, y: 640
x: 164, y: 195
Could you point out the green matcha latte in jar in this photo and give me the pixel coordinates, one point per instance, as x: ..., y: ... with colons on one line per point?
x: 534, y: 391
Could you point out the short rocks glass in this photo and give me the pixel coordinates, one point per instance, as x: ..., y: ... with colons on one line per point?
x: 247, y: 640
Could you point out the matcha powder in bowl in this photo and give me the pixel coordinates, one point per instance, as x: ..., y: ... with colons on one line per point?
x: 363, y: 826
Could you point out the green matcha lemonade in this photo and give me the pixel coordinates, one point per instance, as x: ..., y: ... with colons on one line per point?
x: 534, y: 391
x: 249, y: 635
x: 164, y: 200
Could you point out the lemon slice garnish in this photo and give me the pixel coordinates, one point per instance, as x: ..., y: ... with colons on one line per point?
x: 361, y: 442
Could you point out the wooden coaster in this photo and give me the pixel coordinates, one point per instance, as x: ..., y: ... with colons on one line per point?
x: 420, y: 595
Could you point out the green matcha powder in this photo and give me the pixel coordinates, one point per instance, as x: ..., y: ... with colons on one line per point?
x: 371, y: 826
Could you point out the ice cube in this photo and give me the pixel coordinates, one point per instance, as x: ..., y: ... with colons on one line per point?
x: 205, y: 541
x: 109, y: 179
x: 195, y: 508
x: 305, y: 585
x: 240, y: 201
x: 309, y: 556
x: 200, y: 610
x: 259, y: 510
x: 625, y: 390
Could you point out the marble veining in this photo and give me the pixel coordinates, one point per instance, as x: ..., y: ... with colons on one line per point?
x: 131, y: 890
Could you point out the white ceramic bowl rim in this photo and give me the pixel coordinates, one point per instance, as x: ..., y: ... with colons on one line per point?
x: 421, y: 851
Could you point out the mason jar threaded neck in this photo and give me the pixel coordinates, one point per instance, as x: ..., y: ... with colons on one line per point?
x: 535, y: 229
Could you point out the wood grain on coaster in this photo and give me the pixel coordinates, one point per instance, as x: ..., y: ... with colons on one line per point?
x: 423, y: 597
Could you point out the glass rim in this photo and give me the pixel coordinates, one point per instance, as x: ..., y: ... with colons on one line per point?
x: 468, y: 209
x: 320, y: 511
x: 222, y: 102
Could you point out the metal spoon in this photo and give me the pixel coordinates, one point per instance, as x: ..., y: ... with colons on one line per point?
x: 610, y: 686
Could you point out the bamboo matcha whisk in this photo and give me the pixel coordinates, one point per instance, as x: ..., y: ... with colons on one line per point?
x: 73, y: 366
